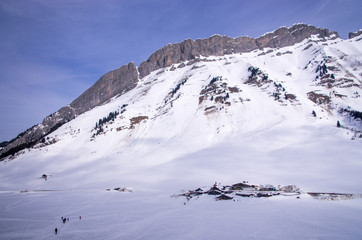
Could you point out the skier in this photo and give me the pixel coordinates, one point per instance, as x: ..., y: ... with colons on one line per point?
x: 56, y: 230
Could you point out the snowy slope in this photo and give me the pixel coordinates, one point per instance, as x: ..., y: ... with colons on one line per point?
x: 203, y: 121
x: 200, y: 116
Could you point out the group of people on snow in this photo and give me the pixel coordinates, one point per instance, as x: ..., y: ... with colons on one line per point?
x: 64, y: 220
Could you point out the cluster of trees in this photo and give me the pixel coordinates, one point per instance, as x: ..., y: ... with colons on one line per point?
x: 352, y: 113
x: 255, y: 71
x: 355, y: 114
x: 226, y: 97
x: 356, y: 94
x: 278, y: 88
x: 322, y: 69
x: 99, y: 125
x: 213, y: 80
x: 276, y: 95
x: 174, y: 91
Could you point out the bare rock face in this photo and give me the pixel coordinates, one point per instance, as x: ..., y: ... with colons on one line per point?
x: 354, y: 34
x: 190, y: 49
x: 222, y: 45
x: 283, y: 36
x: 109, y: 85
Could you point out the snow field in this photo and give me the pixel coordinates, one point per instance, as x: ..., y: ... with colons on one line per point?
x: 140, y: 215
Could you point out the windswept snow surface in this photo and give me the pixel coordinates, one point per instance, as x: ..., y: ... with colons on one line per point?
x: 174, y: 136
x: 140, y: 215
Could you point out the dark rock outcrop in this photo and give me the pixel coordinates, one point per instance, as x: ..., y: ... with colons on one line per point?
x: 126, y: 77
x: 222, y: 45
x: 354, y: 34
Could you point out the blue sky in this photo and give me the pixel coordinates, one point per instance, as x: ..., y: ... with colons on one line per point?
x: 53, y: 50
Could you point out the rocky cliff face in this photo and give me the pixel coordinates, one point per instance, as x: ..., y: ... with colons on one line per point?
x: 222, y: 45
x: 126, y: 77
x: 109, y: 85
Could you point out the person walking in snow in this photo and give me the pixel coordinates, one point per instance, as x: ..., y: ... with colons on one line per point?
x: 56, y: 230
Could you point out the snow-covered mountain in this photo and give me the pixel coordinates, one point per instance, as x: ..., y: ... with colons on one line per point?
x: 207, y: 102
x: 268, y: 115
x: 126, y: 78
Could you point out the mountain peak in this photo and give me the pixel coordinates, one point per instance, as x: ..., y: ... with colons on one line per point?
x: 218, y: 45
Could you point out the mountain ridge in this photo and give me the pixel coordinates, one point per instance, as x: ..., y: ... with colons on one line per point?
x: 125, y: 78
x: 218, y: 45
